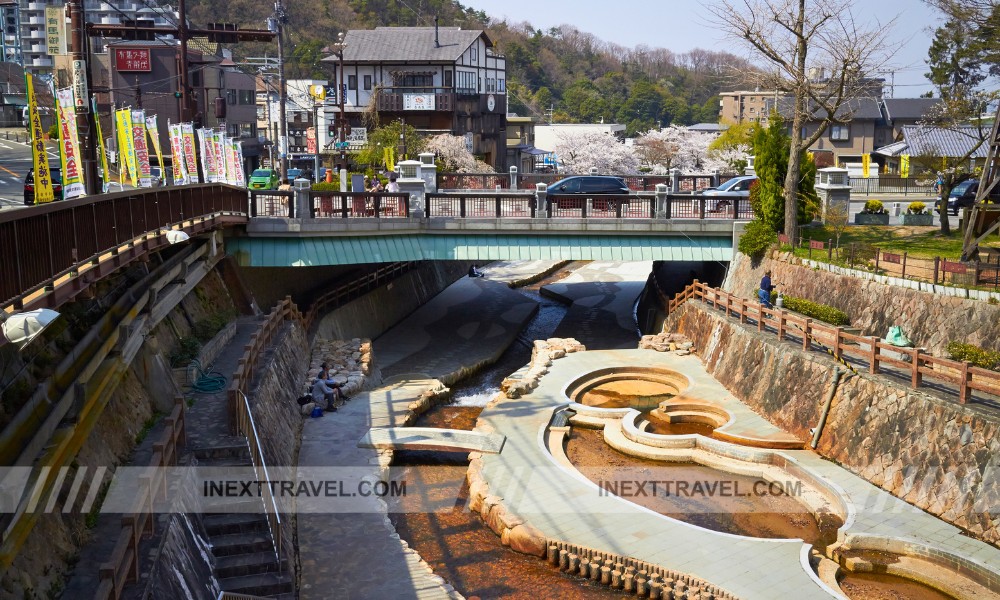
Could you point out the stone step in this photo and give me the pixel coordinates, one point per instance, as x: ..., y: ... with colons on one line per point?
x: 263, y: 584
x: 223, y: 524
x: 241, y: 565
x: 230, y: 544
x: 234, y: 461
x: 222, y: 452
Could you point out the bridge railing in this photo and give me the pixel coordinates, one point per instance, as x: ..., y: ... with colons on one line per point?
x: 528, y: 181
x: 697, y: 206
x: 492, y: 205
x: 348, y: 205
x: 272, y: 203
x: 601, y: 206
x: 46, y: 244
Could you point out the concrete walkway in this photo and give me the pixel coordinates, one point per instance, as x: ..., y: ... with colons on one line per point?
x: 566, y: 506
x: 357, y: 554
x: 601, y: 287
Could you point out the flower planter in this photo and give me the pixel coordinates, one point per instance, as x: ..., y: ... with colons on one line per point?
x: 871, y: 219
x: 918, y: 220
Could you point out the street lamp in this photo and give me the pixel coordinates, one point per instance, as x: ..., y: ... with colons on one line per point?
x: 338, y: 49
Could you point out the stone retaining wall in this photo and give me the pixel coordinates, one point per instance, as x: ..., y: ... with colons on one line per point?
x: 934, y: 453
x: 930, y: 320
x: 377, y: 311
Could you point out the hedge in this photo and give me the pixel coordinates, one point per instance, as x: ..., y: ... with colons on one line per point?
x: 815, y: 310
x: 980, y: 357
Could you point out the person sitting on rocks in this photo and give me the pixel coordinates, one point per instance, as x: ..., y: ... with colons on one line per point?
x: 475, y: 272
x: 326, y: 390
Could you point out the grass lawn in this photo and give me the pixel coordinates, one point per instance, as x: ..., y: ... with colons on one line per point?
x: 922, y: 242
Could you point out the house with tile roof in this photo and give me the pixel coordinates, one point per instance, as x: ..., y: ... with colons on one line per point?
x: 436, y: 79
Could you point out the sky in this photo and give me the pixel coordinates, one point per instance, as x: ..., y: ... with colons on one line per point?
x: 681, y: 25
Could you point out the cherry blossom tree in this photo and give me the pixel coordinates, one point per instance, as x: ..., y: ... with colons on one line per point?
x: 451, y: 151
x: 580, y: 151
x: 676, y: 147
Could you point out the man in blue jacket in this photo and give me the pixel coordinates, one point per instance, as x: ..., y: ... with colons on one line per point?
x: 764, y: 293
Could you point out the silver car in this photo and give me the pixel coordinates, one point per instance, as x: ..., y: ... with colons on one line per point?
x: 737, y: 187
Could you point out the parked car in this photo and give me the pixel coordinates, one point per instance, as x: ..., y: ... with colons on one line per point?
x: 962, y: 195
x: 264, y: 179
x: 586, y: 185
x: 294, y: 174
x: 157, y: 176
x: 589, y: 184
x: 29, y: 185
x: 737, y: 187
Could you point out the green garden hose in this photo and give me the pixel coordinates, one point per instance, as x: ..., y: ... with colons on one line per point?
x: 206, y: 382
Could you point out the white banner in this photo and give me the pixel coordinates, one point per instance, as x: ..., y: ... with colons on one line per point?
x: 418, y: 101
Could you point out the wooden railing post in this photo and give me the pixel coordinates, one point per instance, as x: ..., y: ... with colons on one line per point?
x: 873, y: 359
x: 964, y: 391
x: 743, y: 311
x: 837, y: 333
x: 915, y: 376
x: 805, y: 334
x: 937, y: 264
x: 761, y: 315
x: 903, y: 275
x: 781, y: 324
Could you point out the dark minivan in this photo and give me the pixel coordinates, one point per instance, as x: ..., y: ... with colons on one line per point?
x: 589, y: 184
x: 962, y: 195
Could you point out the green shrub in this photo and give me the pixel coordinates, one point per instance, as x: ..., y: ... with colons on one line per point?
x: 815, y: 310
x: 326, y: 187
x: 756, y: 239
x: 874, y: 207
x: 186, y: 351
x: 980, y: 357
x: 916, y: 208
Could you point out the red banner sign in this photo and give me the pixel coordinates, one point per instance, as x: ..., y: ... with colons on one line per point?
x: 816, y: 244
x: 132, y: 59
x: 952, y: 267
x: 890, y: 258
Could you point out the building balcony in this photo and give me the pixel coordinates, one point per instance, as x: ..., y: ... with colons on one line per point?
x: 36, y: 21
x: 39, y: 48
x: 37, y: 6
x: 42, y: 62
x: 34, y: 35
x: 109, y: 20
x: 403, y: 99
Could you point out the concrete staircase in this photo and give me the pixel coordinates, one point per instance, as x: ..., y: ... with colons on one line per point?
x: 245, y: 561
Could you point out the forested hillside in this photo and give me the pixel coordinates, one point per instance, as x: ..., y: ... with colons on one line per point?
x: 572, y: 75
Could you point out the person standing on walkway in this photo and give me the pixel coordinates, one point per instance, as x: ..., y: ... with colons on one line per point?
x: 766, y: 287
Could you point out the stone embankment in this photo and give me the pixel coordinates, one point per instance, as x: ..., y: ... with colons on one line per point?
x: 930, y: 320
x: 667, y: 342
x: 542, y: 354
x: 349, y: 363
x: 934, y: 453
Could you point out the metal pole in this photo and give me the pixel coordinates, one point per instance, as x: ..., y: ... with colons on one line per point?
x: 341, y: 92
x: 279, y: 11
x: 182, y: 67
x: 77, y: 21
x: 316, y: 141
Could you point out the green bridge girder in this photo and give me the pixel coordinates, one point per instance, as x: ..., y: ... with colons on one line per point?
x: 346, y: 250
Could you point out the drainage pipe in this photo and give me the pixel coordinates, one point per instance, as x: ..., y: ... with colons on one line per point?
x: 837, y: 373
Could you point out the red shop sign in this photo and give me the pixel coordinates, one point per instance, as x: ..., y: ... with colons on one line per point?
x: 132, y: 59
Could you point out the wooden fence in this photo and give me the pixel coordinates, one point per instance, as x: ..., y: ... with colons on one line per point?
x: 937, y: 270
x: 917, y: 362
x: 123, y: 564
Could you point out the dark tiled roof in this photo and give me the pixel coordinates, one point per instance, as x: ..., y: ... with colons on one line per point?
x: 908, y: 108
x: 410, y: 44
x: 855, y: 110
x: 934, y: 141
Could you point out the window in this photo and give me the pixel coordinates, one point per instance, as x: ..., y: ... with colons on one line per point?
x: 368, y: 82
x: 230, y: 97
x: 247, y: 97
x: 466, y: 82
x: 475, y: 54
x: 447, y: 79
x: 840, y: 133
x: 501, y: 86
x: 414, y: 80
x: 352, y: 82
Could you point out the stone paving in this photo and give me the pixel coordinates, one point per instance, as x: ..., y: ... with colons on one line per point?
x: 566, y: 506
x: 357, y: 554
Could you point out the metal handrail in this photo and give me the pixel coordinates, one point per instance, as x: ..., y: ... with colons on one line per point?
x: 259, y: 462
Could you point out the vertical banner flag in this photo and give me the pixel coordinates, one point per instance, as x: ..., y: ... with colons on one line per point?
x: 39, y: 156
x: 141, y: 150
x: 241, y: 176
x: 227, y: 149
x: 866, y: 165
x: 904, y: 166
x: 220, y: 156
x: 177, y: 151
x: 126, y: 146
x: 105, y: 176
x: 207, y: 157
x: 190, y: 156
x: 154, y: 140
x: 69, y: 145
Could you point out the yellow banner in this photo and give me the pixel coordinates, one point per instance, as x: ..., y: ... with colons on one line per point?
x: 126, y: 145
x: 39, y: 156
x: 69, y: 146
x: 904, y: 165
x: 866, y: 165
x: 105, y: 176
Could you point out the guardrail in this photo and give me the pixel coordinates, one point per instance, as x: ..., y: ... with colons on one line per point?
x: 355, y: 289
x: 272, y: 203
x: 52, y: 252
x: 581, y: 206
x: 346, y: 205
x: 867, y: 349
x: 123, y: 565
x: 527, y: 181
x: 888, y: 184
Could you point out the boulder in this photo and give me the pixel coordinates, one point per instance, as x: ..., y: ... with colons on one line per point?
x: 527, y: 539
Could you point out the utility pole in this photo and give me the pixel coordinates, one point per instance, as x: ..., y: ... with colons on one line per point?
x: 280, y: 18
x: 81, y: 87
x: 138, y: 94
x: 182, y: 66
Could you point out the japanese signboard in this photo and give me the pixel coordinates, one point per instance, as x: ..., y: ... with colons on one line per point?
x: 69, y: 146
x: 126, y: 151
x: 55, y: 30
x: 133, y: 59
x: 418, y: 101
x: 105, y: 176
x: 154, y: 140
x: 40, y: 158
x: 177, y: 150
x: 80, y: 85
x: 311, y: 140
x: 190, y: 156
